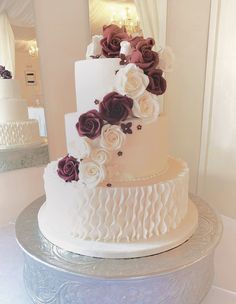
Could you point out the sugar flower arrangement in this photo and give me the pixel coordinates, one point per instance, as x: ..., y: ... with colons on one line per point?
x: 102, y: 131
x: 5, y: 74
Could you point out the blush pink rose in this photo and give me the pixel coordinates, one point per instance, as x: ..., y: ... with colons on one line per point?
x: 143, y: 56
x: 113, y: 35
x: 135, y: 42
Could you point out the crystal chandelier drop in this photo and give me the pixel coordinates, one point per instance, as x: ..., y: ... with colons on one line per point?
x: 33, y: 48
x: 123, y: 17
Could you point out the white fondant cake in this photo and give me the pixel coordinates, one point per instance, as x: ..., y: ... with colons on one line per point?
x: 13, y: 109
x: 9, y: 88
x: 16, y: 130
x: 129, y: 167
x: 19, y: 133
x: 93, y: 80
x: 117, y: 194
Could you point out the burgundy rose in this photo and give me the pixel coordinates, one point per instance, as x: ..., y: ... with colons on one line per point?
x: 113, y: 35
x: 2, y: 68
x: 145, y: 43
x: 145, y: 59
x: 115, y: 107
x: 143, y: 56
x: 137, y: 41
x: 133, y: 41
x: 157, y: 84
x: 5, y: 74
x: 68, y: 169
x: 90, y: 124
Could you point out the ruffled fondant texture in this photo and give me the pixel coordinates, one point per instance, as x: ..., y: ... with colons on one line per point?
x: 117, y: 214
x: 16, y: 133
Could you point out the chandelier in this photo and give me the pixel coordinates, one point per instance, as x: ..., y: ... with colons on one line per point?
x: 33, y: 48
x: 123, y: 17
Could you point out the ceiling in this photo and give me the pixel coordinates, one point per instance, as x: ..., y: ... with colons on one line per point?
x: 24, y: 33
x: 115, y: 1
x: 100, y: 12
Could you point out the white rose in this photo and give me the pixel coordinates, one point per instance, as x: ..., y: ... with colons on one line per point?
x: 112, y: 137
x: 91, y: 173
x: 80, y: 148
x: 166, y: 60
x: 100, y: 156
x: 94, y: 48
x: 146, y: 107
x: 131, y: 81
x: 125, y: 48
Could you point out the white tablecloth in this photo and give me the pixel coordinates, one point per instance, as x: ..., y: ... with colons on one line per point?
x: 38, y: 113
x: 223, y: 291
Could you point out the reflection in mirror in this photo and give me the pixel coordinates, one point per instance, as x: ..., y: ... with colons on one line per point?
x: 23, y: 135
x: 123, y: 12
x: 28, y: 74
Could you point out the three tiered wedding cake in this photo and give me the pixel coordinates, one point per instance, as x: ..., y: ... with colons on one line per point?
x: 16, y: 130
x: 117, y: 194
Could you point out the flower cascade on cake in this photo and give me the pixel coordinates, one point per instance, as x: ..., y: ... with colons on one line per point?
x: 132, y: 102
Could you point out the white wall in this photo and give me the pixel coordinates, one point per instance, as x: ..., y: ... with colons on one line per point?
x: 217, y: 179
x: 25, y: 62
x: 63, y: 34
x: 187, y: 35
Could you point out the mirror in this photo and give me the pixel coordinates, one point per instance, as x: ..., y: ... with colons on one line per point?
x: 23, y: 132
x: 28, y: 74
x: 121, y: 12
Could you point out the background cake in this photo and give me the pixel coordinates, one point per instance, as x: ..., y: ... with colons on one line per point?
x: 117, y: 194
x: 16, y: 130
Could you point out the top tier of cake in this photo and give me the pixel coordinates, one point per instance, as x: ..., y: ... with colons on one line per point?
x: 93, y: 80
x: 143, y: 154
x: 118, y: 136
x: 9, y: 88
x: 12, y: 107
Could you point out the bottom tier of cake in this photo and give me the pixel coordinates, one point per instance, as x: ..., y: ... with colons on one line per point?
x: 119, y: 222
x: 19, y: 133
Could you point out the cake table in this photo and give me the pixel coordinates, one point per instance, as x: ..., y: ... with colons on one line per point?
x: 182, y: 275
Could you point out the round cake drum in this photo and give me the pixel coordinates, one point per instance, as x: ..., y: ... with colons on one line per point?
x: 182, y: 275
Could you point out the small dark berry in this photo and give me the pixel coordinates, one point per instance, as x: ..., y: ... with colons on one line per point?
x: 139, y: 127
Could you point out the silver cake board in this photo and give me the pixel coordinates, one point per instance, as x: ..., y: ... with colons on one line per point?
x: 182, y: 275
x: 24, y: 157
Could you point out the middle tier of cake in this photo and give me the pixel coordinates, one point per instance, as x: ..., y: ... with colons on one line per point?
x: 139, y: 159
x: 14, y: 134
x: 13, y: 109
